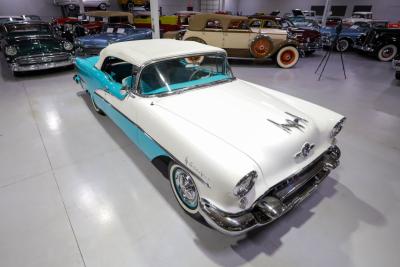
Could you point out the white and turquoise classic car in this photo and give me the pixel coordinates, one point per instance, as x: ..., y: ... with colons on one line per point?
x: 239, y: 154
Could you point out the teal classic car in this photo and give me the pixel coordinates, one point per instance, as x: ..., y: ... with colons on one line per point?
x: 32, y: 45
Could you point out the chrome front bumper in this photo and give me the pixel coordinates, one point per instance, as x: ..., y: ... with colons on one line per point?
x: 277, y: 201
x: 310, y: 46
x: 396, y: 64
x: 364, y: 48
x: 33, y: 63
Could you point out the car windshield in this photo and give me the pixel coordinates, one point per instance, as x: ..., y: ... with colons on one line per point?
x: 117, y: 28
x: 28, y: 29
x: 183, y: 73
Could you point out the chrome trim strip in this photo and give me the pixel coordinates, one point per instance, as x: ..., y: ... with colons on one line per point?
x: 169, y: 154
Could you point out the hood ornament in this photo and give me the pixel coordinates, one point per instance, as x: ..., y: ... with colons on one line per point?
x: 294, y: 122
x: 305, y: 150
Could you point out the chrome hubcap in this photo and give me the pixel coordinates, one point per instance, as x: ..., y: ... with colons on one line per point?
x: 387, y: 52
x: 185, y: 188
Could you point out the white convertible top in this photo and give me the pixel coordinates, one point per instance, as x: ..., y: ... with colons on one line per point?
x: 142, y: 51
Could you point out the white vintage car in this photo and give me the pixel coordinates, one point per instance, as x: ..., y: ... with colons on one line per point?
x: 239, y: 154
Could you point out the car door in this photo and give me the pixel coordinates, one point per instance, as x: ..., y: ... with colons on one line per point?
x: 212, y: 33
x: 237, y: 35
x: 121, y: 105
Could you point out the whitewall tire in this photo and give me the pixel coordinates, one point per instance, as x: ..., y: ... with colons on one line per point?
x: 184, y: 188
x: 342, y: 45
x: 287, y: 57
x: 387, y: 52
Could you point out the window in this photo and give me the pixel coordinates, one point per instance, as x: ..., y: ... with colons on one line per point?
x: 119, y: 71
x: 339, y: 11
x: 238, y: 25
x: 255, y: 24
x: 358, y: 8
x: 182, y: 73
x: 213, y: 24
x: 319, y: 10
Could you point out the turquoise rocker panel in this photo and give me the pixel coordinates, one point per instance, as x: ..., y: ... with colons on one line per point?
x: 149, y: 147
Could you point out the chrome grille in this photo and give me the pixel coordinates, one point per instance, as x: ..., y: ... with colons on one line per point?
x: 44, y: 58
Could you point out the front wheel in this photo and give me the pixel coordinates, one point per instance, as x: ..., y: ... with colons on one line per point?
x: 287, y: 57
x: 184, y: 188
x: 387, y: 52
x: 342, y: 45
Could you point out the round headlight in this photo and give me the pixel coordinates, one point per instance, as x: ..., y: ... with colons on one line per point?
x: 337, y: 128
x: 11, y: 51
x: 68, y: 46
x: 245, y: 184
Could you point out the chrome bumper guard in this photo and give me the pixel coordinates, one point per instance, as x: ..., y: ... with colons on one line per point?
x: 277, y: 201
x: 396, y: 64
x: 33, y: 63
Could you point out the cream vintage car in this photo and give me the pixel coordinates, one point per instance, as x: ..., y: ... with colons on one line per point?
x: 236, y: 35
x: 239, y: 154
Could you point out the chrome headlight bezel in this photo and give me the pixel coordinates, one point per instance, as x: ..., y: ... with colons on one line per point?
x: 11, y: 50
x: 337, y: 128
x: 68, y: 46
x: 245, y: 184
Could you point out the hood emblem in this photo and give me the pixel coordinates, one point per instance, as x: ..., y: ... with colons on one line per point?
x: 305, y: 150
x: 294, y: 122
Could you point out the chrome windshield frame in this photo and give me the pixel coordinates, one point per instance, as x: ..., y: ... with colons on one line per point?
x: 136, y: 92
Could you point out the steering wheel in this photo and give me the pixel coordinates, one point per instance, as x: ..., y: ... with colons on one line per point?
x: 197, y: 72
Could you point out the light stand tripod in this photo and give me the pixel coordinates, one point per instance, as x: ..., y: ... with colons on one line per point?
x: 327, y: 55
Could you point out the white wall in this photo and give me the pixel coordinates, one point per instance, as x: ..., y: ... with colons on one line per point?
x: 383, y: 9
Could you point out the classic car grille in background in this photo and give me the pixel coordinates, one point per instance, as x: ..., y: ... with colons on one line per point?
x: 44, y: 58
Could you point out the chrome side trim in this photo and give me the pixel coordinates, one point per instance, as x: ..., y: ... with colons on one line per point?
x: 184, y: 166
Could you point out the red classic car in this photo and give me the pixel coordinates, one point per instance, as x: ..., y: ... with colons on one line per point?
x: 309, y: 39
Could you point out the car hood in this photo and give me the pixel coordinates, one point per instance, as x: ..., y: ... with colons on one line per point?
x: 101, y: 39
x: 31, y: 45
x: 244, y: 116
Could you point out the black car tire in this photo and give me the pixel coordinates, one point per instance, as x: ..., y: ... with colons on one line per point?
x: 342, y: 45
x: 387, y: 52
x: 196, y: 39
x: 95, y: 107
x: 398, y: 75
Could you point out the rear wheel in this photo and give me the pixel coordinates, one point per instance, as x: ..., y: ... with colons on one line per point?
x: 184, y: 188
x: 196, y: 39
x: 96, y: 108
x: 387, y: 52
x: 342, y: 45
x: 287, y: 57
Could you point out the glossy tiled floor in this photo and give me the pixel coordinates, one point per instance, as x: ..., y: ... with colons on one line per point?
x: 75, y: 192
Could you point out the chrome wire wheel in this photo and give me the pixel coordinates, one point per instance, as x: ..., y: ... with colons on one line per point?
x: 184, y: 188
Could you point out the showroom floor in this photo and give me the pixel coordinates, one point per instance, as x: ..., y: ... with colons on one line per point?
x: 74, y: 191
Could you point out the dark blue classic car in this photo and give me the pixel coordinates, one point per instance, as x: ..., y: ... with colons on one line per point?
x: 347, y: 38
x: 111, y: 33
